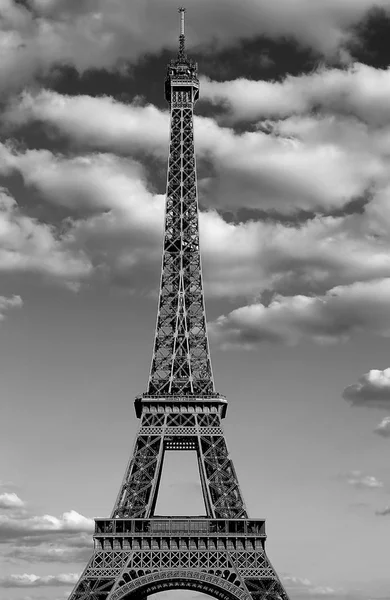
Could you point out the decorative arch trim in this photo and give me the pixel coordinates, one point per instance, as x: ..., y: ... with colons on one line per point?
x: 159, y: 581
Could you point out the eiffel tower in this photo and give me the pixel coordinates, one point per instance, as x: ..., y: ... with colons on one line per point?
x: 137, y: 553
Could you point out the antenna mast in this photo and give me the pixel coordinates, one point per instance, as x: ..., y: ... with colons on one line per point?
x: 182, y: 11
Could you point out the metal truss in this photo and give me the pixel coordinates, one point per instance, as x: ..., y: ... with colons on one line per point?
x: 137, y: 557
x: 137, y: 553
x: 181, y: 359
x: 183, y: 431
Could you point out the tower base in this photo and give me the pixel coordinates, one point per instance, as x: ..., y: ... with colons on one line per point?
x: 134, y: 558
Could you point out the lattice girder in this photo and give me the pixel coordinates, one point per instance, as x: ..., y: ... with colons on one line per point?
x: 181, y: 361
x: 181, y: 431
x: 230, y: 552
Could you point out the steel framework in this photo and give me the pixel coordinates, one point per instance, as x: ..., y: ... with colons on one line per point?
x: 137, y: 553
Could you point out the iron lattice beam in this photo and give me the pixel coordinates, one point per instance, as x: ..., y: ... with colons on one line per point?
x: 181, y: 358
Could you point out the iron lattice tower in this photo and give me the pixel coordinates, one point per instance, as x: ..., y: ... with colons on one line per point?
x: 137, y: 553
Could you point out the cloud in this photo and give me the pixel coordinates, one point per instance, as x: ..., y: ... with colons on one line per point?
x: 358, y: 90
x: 97, y: 122
x: 31, y: 580
x: 359, y: 480
x: 384, y: 512
x: 9, y: 302
x: 45, y: 33
x: 304, y: 587
x: 294, y: 581
x: 284, y: 169
x: 321, y: 590
x: 21, y: 526
x: 332, y: 317
x: 125, y: 217
x: 122, y: 233
x: 116, y: 228
x: 116, y: 220
x: 95, y: 182
x: 383, y: 428
x: 372, y: 390
x: 10, y: 500
x: 27, y: 245
x: 67, y: 549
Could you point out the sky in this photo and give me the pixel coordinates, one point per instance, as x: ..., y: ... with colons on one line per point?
x: 292, y: 135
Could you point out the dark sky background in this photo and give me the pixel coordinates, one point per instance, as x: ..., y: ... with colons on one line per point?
x: 292, y: 134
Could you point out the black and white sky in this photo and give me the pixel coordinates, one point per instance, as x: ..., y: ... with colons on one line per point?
x: 292, y: 134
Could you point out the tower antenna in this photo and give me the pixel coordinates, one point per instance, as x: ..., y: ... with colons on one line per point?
x: 182, y: 11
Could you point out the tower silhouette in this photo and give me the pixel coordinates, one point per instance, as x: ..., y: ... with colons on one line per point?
x: 137, y: 553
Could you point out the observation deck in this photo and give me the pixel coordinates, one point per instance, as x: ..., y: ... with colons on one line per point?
x: 179, y: 527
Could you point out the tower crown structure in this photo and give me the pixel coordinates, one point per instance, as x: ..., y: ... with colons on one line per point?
x: 136, y: 552
x: 182, y: 72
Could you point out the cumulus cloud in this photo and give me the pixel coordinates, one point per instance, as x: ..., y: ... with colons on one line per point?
x: 332, y: 317
x: 358, y: 90
x: 372, y: 390
x: 10, y: 500
x: 294, y: 581
x: 305, y: 588
x: 8, y: 302
x: 43, y: 34
x: 94, y: 121
x: 30, y: 580
x: 15, y: 526
x: 359, y: 480
x: 383, y: 428
x: 27, y: 245
x: 116, y: 222
x: 115, y: 217
x: 324, y: 590
x: 67, y: 549
x: 94, y: 183
x: 122, y: 231
x: 287, y: 170
x: 246, y: 258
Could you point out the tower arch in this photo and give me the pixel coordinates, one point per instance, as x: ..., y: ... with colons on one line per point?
x: 194, y: 580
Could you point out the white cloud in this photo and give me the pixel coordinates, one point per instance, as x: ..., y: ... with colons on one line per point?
x: 74, y: 33
x: 321, y: 590
x: 93, y: 182
x: 9, y: 302
x: 121, y: 233
x: 117, y: 222
x: 334, y: 316
x: 27, y: 245
x: 67, y: 549
x: 359, y: 480
x: 13, y: 527
x: 250, y: 169
x: 372, y: 390
x: 10, y: 500
x: 30, y: 580
x: 359, y: 90
x: 383, y: 428
x: 327, y: 252
x: 294, y: 581
x: 305, y: 588
x: 94, y: 121
x: 123, y: 226
x: 239, y: 259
